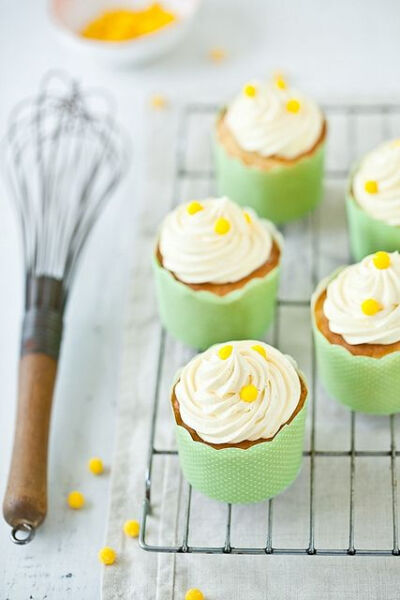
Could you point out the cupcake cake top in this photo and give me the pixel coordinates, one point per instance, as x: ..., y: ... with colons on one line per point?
x: 238, y: 391
x: 214, y: 241
x: 272, y: 119
x: 376, y: 183
x: 363, y: 300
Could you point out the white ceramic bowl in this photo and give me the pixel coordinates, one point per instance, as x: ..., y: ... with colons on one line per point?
x: 70, y: 16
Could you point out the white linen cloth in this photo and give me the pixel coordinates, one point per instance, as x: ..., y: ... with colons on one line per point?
x: 153, y: 576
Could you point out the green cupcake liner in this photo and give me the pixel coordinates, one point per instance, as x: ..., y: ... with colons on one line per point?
x: 368, y: 235
x: 243, y: 476
x: 201, y: 318
x: 363, y: 384
x: 281, y: 194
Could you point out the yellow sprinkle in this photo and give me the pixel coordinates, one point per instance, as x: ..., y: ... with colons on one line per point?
x: 381, y: 260
x: 247, y: 217
x: 225, y: 351
x: 222, y: 226
x: 248, y: 393
x: 293, y: 105
x: 131, y: 528
x: 260, y: 350
x: 158, y: 101
x: 217, y: 54
x: 280, y: 82
x: 194, y: 207
x: 107, y: 555
x: 76, y: 500
x: 250, y: 90
x: 371, y: 186
x: 370, y: 307
x: 194, y: 594
x: 95, y: 465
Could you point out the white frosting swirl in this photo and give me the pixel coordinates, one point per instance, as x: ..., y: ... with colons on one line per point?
x: 360, y: 282
x: 263, y: 124
x: 195, y: 253
x: 209, y: 388
x: 382, y: 166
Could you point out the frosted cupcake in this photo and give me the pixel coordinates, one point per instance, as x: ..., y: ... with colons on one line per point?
x: 240, y: 411
x: 216, y: 268
x: 269, y: 150
x: 373, y: 201
x: 356, y: 322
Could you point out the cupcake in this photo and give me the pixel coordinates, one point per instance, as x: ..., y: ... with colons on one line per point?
x: 356, y: 323
x: 269, y: 150
x: 373, y: 201
x: 216, y: 269
x: 240, y: 410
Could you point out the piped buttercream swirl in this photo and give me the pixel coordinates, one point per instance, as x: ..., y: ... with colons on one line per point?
x: 214, y: 390
x: 376, y: 183
x: 362, y: 302
x: 266, y: 123
x: 214, y: 241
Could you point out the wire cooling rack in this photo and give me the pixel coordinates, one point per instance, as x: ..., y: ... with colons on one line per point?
x: 381, y: 121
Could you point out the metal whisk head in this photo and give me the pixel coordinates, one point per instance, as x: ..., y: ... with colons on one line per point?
x: 64, y: 156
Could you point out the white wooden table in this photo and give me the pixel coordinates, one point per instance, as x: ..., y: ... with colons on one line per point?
x: 342, y: 53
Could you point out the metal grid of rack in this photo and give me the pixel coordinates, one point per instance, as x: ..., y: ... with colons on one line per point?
x: 349, y: 112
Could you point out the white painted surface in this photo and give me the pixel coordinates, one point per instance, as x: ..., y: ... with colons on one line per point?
x: 332, y: 49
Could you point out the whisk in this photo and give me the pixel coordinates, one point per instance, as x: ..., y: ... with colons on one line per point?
x: 64, y: 155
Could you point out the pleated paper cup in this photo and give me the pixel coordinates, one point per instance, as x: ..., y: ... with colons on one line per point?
x: 362, y: 383
x: 281, y: 194
x: 242, y: 476
x: 201, y: 318
x: 368, y: 235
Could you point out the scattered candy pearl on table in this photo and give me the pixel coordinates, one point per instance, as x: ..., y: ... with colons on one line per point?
x: 248, y: 393
x: 370, y: 307
x: 194, y: 594
x: 107, y: 555
x: 158, y: 102
x: 96, y: 465
x: 293, y: 106
x: 76, y: 500
x: 250, y: 90
x: 131, y: 528
x: 381, y: 260
x: 260, y: 350
x: 222, y: 226
x: 217, y: 54
x: 225, y: 352
x: 371, y: 186
x: 194, y: 207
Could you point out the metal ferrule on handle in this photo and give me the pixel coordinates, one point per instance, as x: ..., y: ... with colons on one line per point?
x: 25, y: 502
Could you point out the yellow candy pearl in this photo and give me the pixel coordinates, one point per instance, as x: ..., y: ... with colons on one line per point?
x: 225, y: 352
x: 371, y: 186
x: 249, y: 393
x: 222, y: 226
x: 76, y: 500
x: 250, y: 90
x: 131, y: 528
x: 260, y: 350
x: 280, y: 83
x: 370, y: 307
x: 293, y: 106
x: 381, y: 260
x: 95, y: 465
x: 194, y: 594
x: 247, y: 217
x: 107, y: 555
x: 194, y: 207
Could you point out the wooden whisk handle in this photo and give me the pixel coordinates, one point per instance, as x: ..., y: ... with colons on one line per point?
x: 25, y: 501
